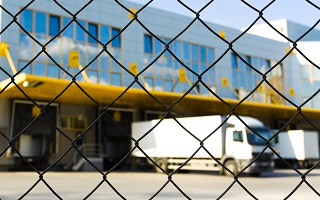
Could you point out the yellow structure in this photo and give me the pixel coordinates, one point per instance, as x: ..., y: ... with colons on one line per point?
x: 182, y: 75
x: 42, y: 90
x: 134, y: 70
x: 222, y: 34
x: 225, y: 83
x: 288, y: 49
x: 74, y: 62
x: 131, y: 16
x: 291, y: 92
x: 4, y: 51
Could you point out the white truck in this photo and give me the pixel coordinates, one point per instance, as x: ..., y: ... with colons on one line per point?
x: 231, y: 143
x: 298, y: 147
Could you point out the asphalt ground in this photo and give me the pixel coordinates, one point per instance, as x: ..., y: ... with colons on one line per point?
x: 143, y: 185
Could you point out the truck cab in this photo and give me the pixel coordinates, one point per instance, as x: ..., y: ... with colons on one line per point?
x: 243, y: 146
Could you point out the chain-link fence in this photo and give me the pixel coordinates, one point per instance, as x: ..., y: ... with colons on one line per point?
x: 56, y: 136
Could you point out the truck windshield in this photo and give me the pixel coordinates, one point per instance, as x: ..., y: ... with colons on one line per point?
x: 254, y: 139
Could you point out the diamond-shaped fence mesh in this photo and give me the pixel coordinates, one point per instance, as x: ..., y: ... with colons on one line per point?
x: 70, y: 91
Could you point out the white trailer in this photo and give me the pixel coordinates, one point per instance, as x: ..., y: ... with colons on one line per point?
x: 298, y: 147
x: 231, y: 143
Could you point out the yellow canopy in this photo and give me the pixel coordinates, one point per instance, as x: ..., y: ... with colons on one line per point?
x: 41, y: 88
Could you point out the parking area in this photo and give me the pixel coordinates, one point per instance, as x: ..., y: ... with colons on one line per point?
x: 143, y: 185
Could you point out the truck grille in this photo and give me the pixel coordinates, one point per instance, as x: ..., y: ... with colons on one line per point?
x: 263, y: 157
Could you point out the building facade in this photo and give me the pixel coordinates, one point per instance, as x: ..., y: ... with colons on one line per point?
x: 119, y: 48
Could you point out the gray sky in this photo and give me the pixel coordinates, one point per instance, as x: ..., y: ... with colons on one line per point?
x: 235, y: 14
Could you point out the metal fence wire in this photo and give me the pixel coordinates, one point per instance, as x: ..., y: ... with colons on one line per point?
x: 137, y: 79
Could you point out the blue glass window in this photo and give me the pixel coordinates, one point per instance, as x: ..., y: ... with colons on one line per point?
x: 195, y: 68
x: 37, y: 48
x: 52, y: 50
x: 104, y: 34
x: 195, y: 56
x: 166, y: 53
x: 249, y: 81
x: 54, y: 25
x: 261, y: 65
x: 235, y: 83
x: 178, y: 87
x: 168, y: 72
x: 186, y: 51
x: 68, y: 32
x: 93, y: 30
x: 177, y: 49
x: 80, y: 33
x: 39, y: 69
x: 92, y: 53
x: 147, y: 44
x: 115, y: 66
x: 104, y: 62
x: 189, y: 65
x: 157, y: 70
x: 192, y: 76
x: 203, y: 90
x: 168, y: 86
x: 150, y: 82
x: 256, y: 79
x: 82, y: 54
x: 202, y: 68
x: 248, y: 60
x: 41, y: 23
x: 212, y: 76
x: 116, y: 42
x: 234, y: 96
x: 157, y: 46
x: 116, y: 79
x: 242, y: 79
x: 159, y: 85
x: 93, y: 76
x: 104, y: 78
x: 25, y: 46
x: 116, y: 53
x: 53, y: 71
x: 241, y: 63
x: 234, y: 62
x: 255, y: 62
x: 26, y: 20
x: 146, y: 60
x: 210, y: 55
x: 176, y: 64
x: 22, y: 64
x: 203, y: 55
x: 65, y: 48
x: 268, y: 64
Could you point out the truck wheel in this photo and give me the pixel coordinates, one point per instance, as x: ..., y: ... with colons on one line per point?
x: 232, y: 166
x: 162, y: 162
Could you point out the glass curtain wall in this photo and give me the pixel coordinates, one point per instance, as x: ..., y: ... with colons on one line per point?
x: 164, y: 73
x: 45, y: 26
